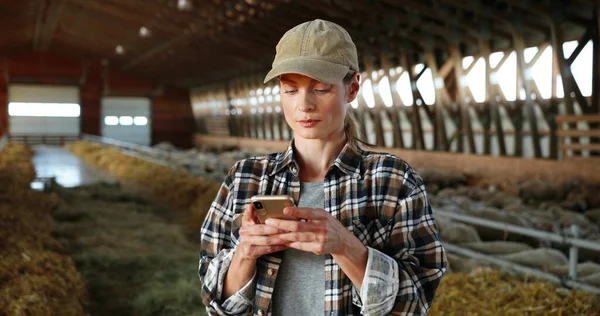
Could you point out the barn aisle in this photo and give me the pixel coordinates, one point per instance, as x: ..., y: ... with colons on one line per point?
x: 69, y: 170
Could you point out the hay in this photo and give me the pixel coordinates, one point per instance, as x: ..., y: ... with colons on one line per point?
x: 179, y: 189
x: 135, y: 261
x: 35, y: 277
x: 498, y: 293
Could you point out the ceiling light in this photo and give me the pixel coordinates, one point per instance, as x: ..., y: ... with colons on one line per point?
x: 120, y: 50
x: 144, y: 32
x: 184, y: 5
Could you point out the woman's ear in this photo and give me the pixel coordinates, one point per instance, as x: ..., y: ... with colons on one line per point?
x: 353, y: 87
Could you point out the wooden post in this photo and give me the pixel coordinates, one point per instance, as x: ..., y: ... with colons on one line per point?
x: 523, y: 71
x: 419, y: 140
x: 489, y: 110
x: 440, y: 139
x: 465, y: 120
x: 393, y: 112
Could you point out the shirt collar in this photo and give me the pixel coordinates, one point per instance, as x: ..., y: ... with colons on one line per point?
x: 349, y: 160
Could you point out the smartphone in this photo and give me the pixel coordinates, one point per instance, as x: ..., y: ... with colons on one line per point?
x: 271, y: 206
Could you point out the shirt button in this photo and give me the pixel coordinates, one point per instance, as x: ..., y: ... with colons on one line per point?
x: 270, y: 272
x: 260, y: 312
x: 294, y: 171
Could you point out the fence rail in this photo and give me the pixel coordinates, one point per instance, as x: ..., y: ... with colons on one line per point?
x: 3, y: 141
x: 570, y: 240
x: 37, y: 139
x: 563, y: 133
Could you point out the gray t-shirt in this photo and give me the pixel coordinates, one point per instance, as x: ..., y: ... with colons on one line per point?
x: 300, y: 285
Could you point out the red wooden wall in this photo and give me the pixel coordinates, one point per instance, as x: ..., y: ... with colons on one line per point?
x: 172, y: 118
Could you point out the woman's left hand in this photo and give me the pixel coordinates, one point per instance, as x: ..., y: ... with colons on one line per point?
x: 320, y: 234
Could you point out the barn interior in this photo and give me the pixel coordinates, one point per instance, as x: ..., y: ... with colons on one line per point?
x: 119, y: 121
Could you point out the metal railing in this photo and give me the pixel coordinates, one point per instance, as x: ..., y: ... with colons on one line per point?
x: 570, y: 240
x: 3, y: 141
x: 42, y: 139
x: 160, y: 156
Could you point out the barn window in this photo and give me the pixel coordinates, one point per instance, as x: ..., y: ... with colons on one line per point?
x: 385, y: 92
x: 426, y: 87
x: 44, y: 109
x: 141, y: 120
x: 126, y: 120
x: 111, y: 120
x: 368, y: 93
x: 404, y: 90
x: 476, y: 78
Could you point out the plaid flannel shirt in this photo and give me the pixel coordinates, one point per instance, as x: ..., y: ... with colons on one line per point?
x: 377, y: 196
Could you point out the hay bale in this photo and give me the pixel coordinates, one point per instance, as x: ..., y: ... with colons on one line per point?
x: 497, y: 247
x: 537, y: 191
x: 538, y: 258
x: 460, y: 233
x: 36, y: 278
x: 498, y: 293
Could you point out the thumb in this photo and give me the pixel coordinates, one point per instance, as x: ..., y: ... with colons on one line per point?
x: 249, y: 214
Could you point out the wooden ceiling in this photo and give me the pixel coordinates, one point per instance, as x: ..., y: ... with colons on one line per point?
x: 219, y: 39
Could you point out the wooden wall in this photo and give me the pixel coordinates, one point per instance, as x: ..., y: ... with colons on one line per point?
x: 171, y: 119
x: 3, y: 100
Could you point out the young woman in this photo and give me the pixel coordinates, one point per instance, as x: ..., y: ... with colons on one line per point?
x: 367, y: 242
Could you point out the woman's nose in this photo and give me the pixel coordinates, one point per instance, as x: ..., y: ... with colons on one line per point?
x: 305, y: 102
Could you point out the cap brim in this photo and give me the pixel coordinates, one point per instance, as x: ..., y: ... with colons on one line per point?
x: 320, y: 70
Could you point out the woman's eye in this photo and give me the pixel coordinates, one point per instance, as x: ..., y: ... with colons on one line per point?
x: 290, y: 91
x: 321, y: 91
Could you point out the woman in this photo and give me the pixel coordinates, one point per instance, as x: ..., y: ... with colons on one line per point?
x: 367, y: 242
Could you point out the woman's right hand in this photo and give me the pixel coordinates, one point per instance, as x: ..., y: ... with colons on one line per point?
x: 258, y: 239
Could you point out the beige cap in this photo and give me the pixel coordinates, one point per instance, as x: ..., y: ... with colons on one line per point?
x: 318, y: 49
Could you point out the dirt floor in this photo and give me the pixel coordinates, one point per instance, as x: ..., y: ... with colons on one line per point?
x: 135, y: 258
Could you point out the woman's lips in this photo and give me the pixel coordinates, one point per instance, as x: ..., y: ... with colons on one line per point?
x: 308, y: 123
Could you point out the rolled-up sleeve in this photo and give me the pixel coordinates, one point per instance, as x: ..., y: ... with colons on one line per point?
x: 217, y: 249
x: 403, y: 279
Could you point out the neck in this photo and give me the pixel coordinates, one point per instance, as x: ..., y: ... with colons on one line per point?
x: 315, y: 156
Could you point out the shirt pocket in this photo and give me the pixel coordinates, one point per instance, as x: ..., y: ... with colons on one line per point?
x: 374, y: 234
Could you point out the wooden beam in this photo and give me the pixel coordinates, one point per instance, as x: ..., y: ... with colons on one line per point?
x: 595, y: 104
x: 418, y: 137
x: 440, y: 139
x: 465, y: 119
x: 52, y: 18
x: 38, y: 24
x: 523, y: 70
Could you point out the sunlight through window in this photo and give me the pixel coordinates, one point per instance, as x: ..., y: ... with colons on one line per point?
x: 368, y: 93
x: 495, y: 58
x: 44, y: 109
x: 542, y: 73
x: 582, y: 70
x: 126, y: 120
x: 426, y: 87
x: 385, y: 92
x: 507, y: 77
x: 404, y: 89
x: 142, y: 120
x: 111, y: 120
x: 476, y: 80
